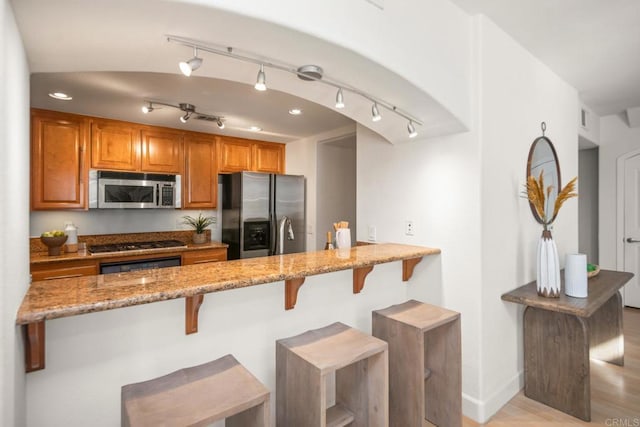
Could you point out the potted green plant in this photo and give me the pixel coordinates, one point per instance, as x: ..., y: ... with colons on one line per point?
x: 199, y: 225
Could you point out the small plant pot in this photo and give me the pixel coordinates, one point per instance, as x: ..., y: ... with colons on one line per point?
x: 54, y: 244
x: 199, y: 238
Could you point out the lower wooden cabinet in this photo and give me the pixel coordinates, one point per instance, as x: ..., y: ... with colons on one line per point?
x: 64, y: 270
x: 204, y: 256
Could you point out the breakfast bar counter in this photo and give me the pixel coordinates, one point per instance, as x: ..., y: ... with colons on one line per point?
x: 46, y: 300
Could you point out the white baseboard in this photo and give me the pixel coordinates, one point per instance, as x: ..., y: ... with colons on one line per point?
x: 480, y: 411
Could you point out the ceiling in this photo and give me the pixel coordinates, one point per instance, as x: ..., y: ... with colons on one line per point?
x: 594, y: 45
x: 118, y: 56
x: 120, y: 95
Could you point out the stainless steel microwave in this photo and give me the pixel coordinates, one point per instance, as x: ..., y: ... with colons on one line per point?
x: 133, y: 190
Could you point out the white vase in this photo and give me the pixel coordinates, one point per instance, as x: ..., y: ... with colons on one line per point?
x: 548, y: 271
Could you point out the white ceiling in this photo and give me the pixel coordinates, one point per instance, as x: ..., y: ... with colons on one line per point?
x: 594, y: 45
x: 128, y: 36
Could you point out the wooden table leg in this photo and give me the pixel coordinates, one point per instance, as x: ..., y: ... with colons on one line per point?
x: 605, y: 332
x: 556, y: 361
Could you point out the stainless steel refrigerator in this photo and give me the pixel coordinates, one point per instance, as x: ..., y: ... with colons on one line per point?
x: 263, y: 214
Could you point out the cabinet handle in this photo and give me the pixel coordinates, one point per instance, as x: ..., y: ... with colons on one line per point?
x: 205, y: 261
x: 630, y: 240
x: 68, y: 276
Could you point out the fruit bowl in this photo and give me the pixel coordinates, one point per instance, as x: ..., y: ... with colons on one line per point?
x: 54, y: 243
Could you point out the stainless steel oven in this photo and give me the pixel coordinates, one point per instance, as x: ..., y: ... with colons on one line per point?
x: 110, y: 189
x: 140, y: 264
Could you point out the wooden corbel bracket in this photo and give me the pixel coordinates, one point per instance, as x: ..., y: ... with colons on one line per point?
x: 34, y: 346
x: 192, y: 307
x: 407, y: 267
x: 291, y: 288
x: 359, y: 274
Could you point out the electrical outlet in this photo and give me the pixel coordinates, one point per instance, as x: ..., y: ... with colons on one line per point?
x: 408, y: 228
x: 372, y: 233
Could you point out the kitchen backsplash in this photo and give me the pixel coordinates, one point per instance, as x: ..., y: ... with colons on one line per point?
x: 112, y: 221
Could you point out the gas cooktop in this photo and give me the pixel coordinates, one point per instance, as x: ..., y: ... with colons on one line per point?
x: 136, y: 246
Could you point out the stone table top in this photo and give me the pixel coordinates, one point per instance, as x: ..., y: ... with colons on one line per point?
x: 57, y: 298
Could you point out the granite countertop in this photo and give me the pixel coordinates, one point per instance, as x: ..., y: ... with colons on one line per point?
x: 39, y: 253
x: 57, y: 298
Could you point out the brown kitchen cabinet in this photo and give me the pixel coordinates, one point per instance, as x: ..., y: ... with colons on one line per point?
x: 115, y: 145
x: 64, y: 270
x: 161, y: 150
x: 268, y: 157
x: 234, y: 155
x: 200, y: 180
x: 59, y: 160
x: 204, y: 256
x: 237, y: 155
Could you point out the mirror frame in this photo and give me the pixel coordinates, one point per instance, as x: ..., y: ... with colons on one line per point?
x: 530, y: 158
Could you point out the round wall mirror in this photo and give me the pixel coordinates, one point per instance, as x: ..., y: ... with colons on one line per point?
x: 543, y: 159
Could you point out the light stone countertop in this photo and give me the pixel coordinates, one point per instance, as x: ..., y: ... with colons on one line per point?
x: 57, y: 298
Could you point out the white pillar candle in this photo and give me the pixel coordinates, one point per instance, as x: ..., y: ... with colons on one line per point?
x: 575, y: 275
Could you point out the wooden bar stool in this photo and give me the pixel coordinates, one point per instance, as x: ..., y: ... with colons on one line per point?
x: 425, y: 373
x: 198, y: 396
x: 360, y: 363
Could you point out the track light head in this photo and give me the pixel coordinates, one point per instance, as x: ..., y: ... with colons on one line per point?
x: 339, y: 99
x: 375, y: 114
x: 187, y: 67
x: 411, y: 129
x: 220, y: 123
x: 261, y: 81
x: 185, y: 118
x: 147, y: 108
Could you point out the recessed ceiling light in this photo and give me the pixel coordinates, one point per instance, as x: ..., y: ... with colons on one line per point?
x: 255, y: 129
x: 295, y: 111
x: 61, y: 96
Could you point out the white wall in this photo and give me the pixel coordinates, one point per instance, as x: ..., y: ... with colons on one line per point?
x: 517, y: 93
x: 616, y: 139
x: 588, y: 204
x: 336, y: 187
x: 14, y: 248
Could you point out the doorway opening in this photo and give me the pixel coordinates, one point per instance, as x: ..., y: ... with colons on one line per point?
x: 336, y: 186
x: 588, y: 159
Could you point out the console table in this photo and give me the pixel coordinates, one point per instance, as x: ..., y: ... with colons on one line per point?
x: 561, y: 334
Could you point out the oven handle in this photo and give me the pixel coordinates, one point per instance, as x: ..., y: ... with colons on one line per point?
x: 157, y: 194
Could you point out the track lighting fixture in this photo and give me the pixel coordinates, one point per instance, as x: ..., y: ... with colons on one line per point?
x: 375, y: 114
x: 412, y: 130
x: 188, y: 109
x: 187, y: 67
x: 261, y: 81
x: 339, y: 99
x: 312, y: 73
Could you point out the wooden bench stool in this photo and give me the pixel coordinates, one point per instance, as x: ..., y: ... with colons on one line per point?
x: 425, y: 373
x: 360, y: 363
x: 199, y: 395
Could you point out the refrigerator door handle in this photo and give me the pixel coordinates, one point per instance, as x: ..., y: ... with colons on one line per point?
x: 274, y: 234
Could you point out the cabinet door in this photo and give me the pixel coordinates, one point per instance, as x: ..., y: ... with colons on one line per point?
x: 115, y: 145
x: 58, y: 161
x: 204, y: 256
x: 200, y: 183
x: 161, y: 151
x: 234, y: 155
x: 268, y: 157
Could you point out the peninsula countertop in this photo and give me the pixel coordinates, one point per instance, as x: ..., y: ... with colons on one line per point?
x: 57, y: 298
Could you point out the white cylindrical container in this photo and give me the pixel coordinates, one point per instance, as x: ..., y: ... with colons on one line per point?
x: 343, y: 238
x: 575, y: 276
x: 71, y: 245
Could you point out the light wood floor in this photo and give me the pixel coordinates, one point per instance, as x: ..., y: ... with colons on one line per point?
x: 615, y: 392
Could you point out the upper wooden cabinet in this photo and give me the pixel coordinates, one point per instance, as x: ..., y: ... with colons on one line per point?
x: 115, y: 145
x: 234, y: 155
x: 161, y: 151
x: 268, y: 157
x: 59, y: 160
x: 237, y: 155
x: 200, y: 179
